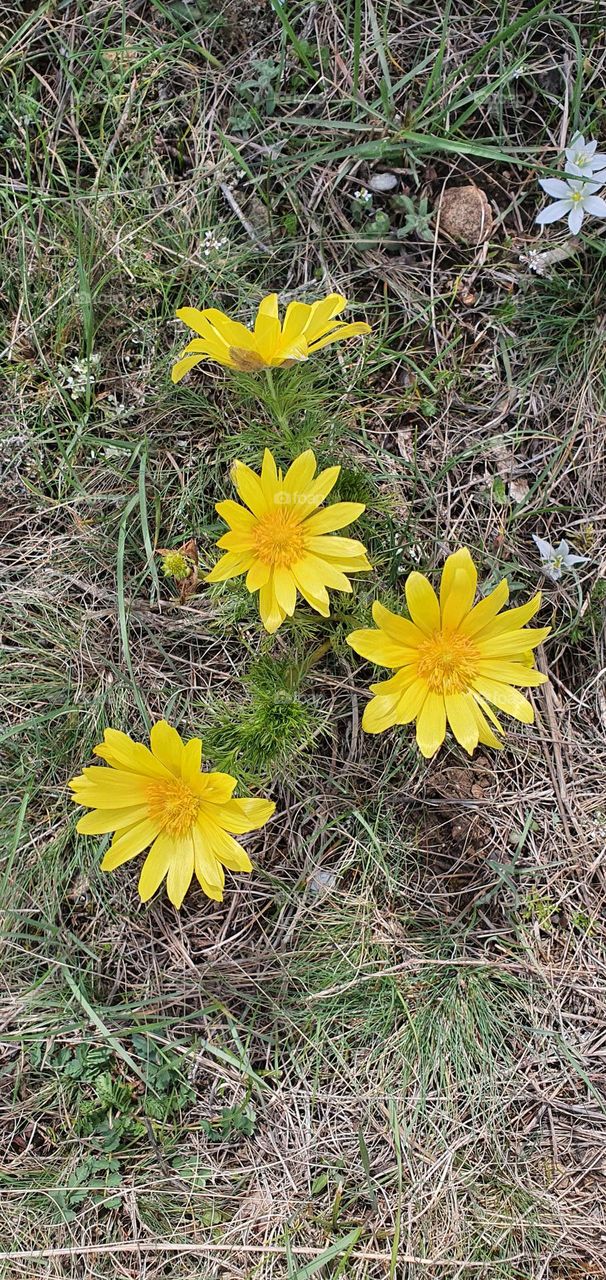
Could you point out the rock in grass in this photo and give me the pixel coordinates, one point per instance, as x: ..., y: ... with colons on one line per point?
x: 465, y: 214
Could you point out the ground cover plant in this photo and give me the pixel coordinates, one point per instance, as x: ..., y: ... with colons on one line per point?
x: 382, y: 1052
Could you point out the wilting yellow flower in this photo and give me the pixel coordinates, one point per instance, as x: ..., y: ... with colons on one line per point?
x: 306, y: 328
x: 280, y: 544
x: 453, y: 659
x: 160, y: 800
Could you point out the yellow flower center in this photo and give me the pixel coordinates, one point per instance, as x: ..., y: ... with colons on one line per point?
x: 576, y: 197
x: 279, y: 541
x: 447, y: 661
x: 174, y: 805
x: 246, y: 361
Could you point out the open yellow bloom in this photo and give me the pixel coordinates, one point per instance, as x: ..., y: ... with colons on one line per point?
x: 280, y: 541
x: 159, y: 799
x: 306, y: 328
x: 453, y: 659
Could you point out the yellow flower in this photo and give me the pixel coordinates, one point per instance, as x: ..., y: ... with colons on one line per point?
x: 159, y: 798
x: 306, y: 328
x: 280, y: 543
x: 453, y: 659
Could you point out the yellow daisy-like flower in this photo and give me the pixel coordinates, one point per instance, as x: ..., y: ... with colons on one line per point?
x: 159, y: 799
x: 306, y: 327
x: 280, y: 542
x: 454, y: 658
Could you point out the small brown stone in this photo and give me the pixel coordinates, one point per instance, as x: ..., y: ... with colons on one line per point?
x: 465, y: 214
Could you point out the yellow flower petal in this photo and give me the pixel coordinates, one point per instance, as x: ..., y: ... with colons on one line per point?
x: 511, y: 643
x: 411, y: 702
x: 311, y: 587
x: 258, y: 575
x: 180, y: 869
x: 205, y: 862
x: 326, y: 574
x: 422, y: 603
x: 272, y: 616
x: 183, y: 366
x: 346, y: 331
x: 167, y: 746
x: 375, y: 646
x: 214, y: 787
x: 269, y: 477
x: 335, y: 548
x: 486, y: 609
x: 512, y: 620
x: 191, y: 761
x: 457, y: 589
x: 404, y: 677
x: 238, y: 541
x: 285, y: 589
x: 236, y: 516
x: 431, y: 724
x: 101, y: 821
x: 250, y: 488
x: 155, y: 867
x: 300, y: 473
x: 128, y: 845
x: 462, y: 718
x: 227, y: 852
x: 295, y: 320
x: 122, y: 753
x: 312, y: 495
x: 337, y: 516
x: 506, y: 698
x: 110, y: 790
x: 267, y: 328
x: 321, y: 313
x: 485, y: 734
x: 379, y: 714
x: 200, y: 322
x: 231, y: 565
x: 240, y: 816
x: 210, y: 890
x: 400, y: 629
x: 460, y: 562
x: 511, y: 672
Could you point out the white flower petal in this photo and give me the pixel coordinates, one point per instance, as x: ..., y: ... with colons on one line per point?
x: 545, y: 548
x: 598, y: 161
x: 553, y: 212
x: 576, y: 170
x: 555, y: 187
x: 575, y: 219
x: 595, y: 205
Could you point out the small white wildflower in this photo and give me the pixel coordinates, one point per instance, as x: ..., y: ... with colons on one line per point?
x: 81, y: 376
x: 363, y: 195
x: 212, y: 243
x: 573, y: 200
x: 583, y: 157
x: 555, y: 560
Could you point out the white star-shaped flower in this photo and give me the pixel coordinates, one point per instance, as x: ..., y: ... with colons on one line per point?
x: 555, y: 560
x: 583, y: 157
x: 573, y: 199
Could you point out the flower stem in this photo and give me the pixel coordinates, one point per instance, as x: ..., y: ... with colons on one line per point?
x: 283, y: 421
